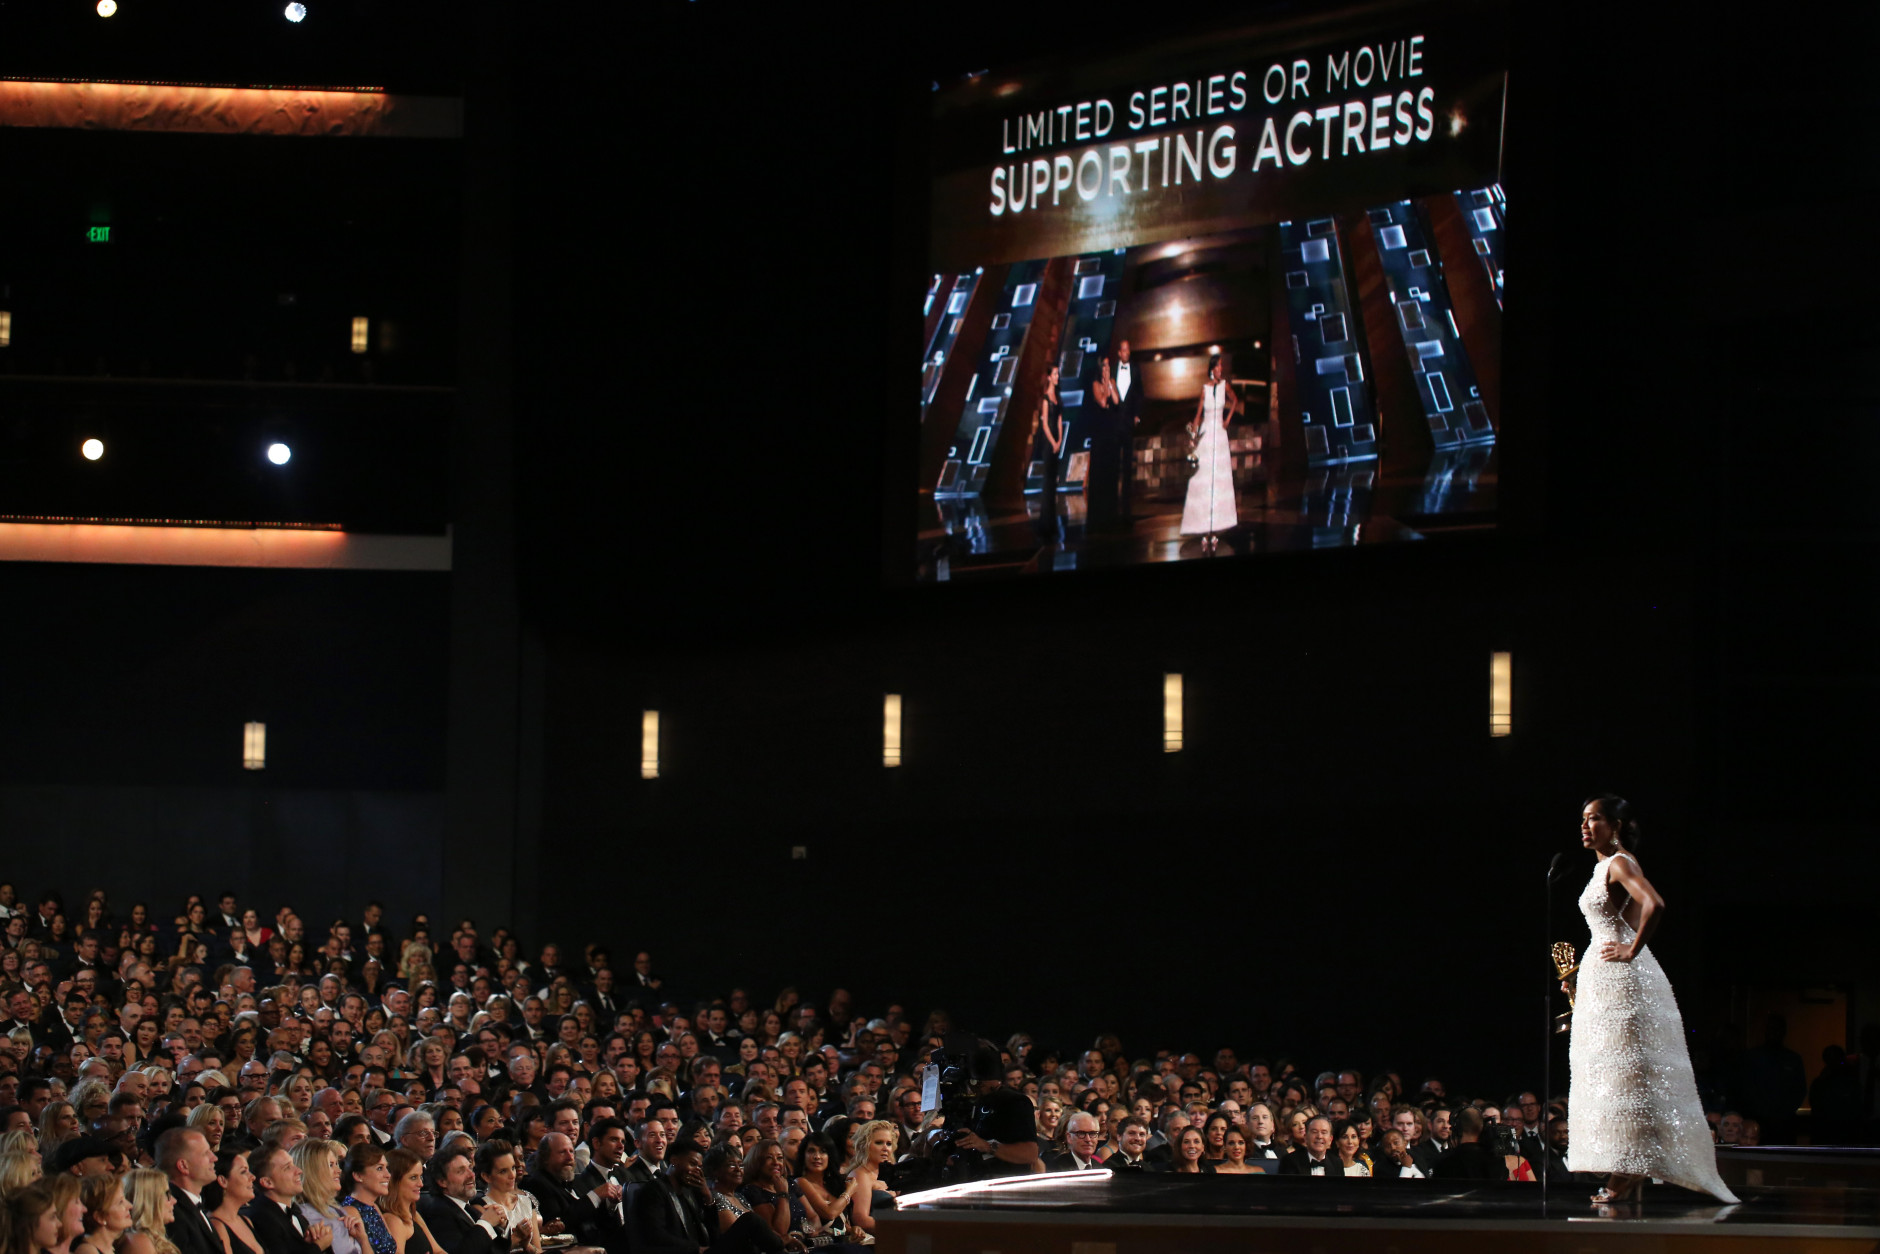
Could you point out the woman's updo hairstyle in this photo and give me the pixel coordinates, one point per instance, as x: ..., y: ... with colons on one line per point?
x: 1618, y: 811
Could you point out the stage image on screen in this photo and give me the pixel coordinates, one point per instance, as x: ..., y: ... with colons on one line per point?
x: 1232, y: 295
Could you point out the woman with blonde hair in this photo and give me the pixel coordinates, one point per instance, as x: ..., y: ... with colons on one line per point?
x: 91, y: 1099
x: 68, y: 1201
x: 208, y: 1120
x: 153, y: 1207
x: 871, y: 1147
x: 17, y: 1171
x: 319, y: 1161
x: 58, y: 1123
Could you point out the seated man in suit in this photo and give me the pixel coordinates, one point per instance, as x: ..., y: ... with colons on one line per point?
x: 670, y: 1216
x: 604, y: 1181
x: 1082, y: 1136
x: 183, y: 1154
x: 274, y: 1213
x: 552, y: 1184
x: 1315, y: 1158
x: 460, y: 1226
x: 1470, y: 1158
x: 1132, y: 1143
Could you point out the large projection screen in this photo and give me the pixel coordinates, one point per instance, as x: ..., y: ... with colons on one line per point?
x: 1229, y: 294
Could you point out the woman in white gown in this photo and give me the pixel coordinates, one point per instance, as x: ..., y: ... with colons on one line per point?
x: 1210, y: 509
x: 1634, y: 1100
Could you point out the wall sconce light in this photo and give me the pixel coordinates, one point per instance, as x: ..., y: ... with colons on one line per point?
x: 1501, y: 694
x: 6, y: 327
x: 1171, y: 713
x: 649, y: 744
x: 254, y: 746
x: 891, y: 729
x: 359, y: 332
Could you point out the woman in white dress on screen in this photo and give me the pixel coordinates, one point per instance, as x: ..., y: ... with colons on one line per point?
x: 1634, y: 1100
x: 1210, y: 507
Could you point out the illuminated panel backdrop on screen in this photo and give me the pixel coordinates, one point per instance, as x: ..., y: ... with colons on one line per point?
x: 1235, y: 293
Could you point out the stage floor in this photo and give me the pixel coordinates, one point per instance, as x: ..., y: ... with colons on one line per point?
x: 1101, y: 1214
x: 1339, y: 507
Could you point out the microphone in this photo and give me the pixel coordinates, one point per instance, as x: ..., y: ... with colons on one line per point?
x: 1553, y: 869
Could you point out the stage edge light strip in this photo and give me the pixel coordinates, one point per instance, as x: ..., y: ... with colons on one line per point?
x: 925, y: 1197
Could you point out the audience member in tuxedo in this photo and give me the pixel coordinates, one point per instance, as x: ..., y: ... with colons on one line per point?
x: 1315, y: 1157
x: 1125, y: 418
x: 1411, y: 1125
x: 1394, y: 1160
x: 1261, y: 1125
x: 604, y: 1181
x: 1132, y: 1141
x: 184, y: 1157
x: 1082, y: 1135
x: 660, y: 1217
x: 564, y: 1208
x: 274, y: 1214
x: 1470, y: 1157
x: 449, y: 1209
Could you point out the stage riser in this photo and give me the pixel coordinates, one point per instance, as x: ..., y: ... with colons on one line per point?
x: 922, y: 1234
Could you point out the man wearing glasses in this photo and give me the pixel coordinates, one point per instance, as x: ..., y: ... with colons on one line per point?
x: 1082, y: 1136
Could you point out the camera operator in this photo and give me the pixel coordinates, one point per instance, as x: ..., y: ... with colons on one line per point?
x: 1003, y: 1131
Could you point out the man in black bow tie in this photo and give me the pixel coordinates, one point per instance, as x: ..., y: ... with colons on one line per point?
x: 275, y: 1212
x: 183, y: 1154
x: 450, y: 1210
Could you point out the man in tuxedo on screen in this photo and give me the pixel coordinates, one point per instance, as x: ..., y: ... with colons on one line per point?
x: 1126, y: 416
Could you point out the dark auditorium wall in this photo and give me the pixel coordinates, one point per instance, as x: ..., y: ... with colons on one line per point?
x: 120, y: 754
x: 1342, y: 859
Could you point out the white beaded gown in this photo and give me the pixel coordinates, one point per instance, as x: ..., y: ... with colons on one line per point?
x: 1633, y: 1105
x: 1210, y: 505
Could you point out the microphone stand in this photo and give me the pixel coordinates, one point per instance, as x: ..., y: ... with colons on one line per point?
x: 1547, y: 1017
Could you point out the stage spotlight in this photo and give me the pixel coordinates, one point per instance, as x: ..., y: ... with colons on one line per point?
x: 107, y: 7
x: 296, y: 12
x: 279, y: 454
x: 93, y: 449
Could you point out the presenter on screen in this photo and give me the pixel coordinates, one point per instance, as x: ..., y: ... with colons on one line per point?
x: 1100, y: 478
x: 1051, y: 426
x: 1210, y: 507
x: 1126, y: 417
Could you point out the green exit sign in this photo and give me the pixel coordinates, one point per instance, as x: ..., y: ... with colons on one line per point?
x: 98, y: 234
